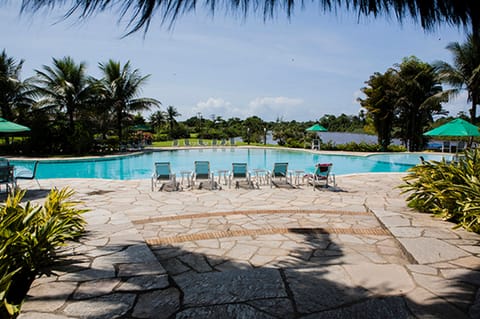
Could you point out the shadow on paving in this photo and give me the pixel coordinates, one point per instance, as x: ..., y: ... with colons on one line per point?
x: 309, y: 284
x: 314, y: 282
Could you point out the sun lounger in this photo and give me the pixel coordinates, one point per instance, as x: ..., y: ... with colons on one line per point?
x: 322, y: 176
x: 201, y: 173
x: 239, y: 173
x: 163, y: 175
x: 280, y: 175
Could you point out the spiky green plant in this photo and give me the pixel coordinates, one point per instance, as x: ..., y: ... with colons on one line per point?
x: 449, y: 190
x: 34, y: 233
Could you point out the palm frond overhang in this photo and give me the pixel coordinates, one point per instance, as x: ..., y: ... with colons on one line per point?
x: 428, y: 13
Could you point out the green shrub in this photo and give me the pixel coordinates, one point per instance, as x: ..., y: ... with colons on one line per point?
x: 33, y: 234
x: 449, y: 190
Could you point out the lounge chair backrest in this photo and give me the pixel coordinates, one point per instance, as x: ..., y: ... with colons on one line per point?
x: 280, y: 169
x: 187, y: 142
x: 323, y: 169
x: 239, y: 170
x: 163, y: 170
x: 202, y: 169
x: 5, y: 173
x: 4, y: 162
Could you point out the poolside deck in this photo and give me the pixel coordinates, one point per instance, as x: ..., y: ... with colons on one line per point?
x: 268, y: 253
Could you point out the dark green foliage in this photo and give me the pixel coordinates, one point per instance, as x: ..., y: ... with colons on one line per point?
x: 449, y: 190
x: 29, y: 238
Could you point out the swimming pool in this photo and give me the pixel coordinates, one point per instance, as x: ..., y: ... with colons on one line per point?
x: 141, y: 166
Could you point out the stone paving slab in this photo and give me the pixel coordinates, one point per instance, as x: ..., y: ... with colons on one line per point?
x: 417, y: 267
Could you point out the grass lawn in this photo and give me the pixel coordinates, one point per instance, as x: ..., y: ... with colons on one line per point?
x: 207, y: 142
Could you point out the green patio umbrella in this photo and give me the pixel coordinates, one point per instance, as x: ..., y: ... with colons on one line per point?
x: 10, y: 127
x: 456, y: 127
x: 141, y: 127
x: 316, y: 128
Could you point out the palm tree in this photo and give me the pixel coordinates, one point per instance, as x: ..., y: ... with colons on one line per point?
x: 172, y: 113
x: 464, y: 73
x: 65, y: 86
x: 158, y: 119
x: 14, y: 93
x: 381, y: 104
x: 120, y: 89
x: 419, y: 97
x: 428, y: 13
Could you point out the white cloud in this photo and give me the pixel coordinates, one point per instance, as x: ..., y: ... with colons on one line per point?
x: 458, y: 104
x: 271, y: 108
x: 267, y: 108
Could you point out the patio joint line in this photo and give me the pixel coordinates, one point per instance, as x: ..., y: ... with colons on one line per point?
x: 248, y: 212
x: 266, y: 231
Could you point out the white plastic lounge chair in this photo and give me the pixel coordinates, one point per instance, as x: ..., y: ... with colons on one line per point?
x: 214, y: 142
x: 162, y: 174
x: 223, y: 142
x: 175, y: 143
x: 202, y: 172
x: 322, y: 176
x: 186, y: 142
x: 280, y: 174
x: 201, y: 142
x: 232, y: 141
x: 26, y: 174
x: 239, y: 173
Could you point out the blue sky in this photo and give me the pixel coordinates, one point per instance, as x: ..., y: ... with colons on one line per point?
x: 297, y: 69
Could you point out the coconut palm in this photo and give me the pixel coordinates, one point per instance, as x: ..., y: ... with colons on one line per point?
x: 419, y: 97
x: 121, y: 87
x: 464, y: 74
x: 428, y: 13
x: 158, y: 119
x: 381, y: 104
x: 172, y: 113
x: 66, y: 86
x: 14, y: 93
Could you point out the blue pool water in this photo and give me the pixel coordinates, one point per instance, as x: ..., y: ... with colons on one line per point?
x: 141, y: 166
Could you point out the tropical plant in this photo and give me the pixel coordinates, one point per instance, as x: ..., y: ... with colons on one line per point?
x: 14, y: 93
x: 419, y: 97
x: 65, y: 86
x: 172, y: 113
x: 120, y: 89
x: 449, y: 190
x: 158, y: 119
x: 380, y: 103
x: 464, y: 74
x: 33, y: 234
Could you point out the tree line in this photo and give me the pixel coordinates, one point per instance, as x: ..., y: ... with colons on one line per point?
x: 66, y: 108
x: 402, y: 101
x: 72, y: 112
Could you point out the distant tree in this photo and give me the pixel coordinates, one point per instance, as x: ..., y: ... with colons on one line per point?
x: 420, y: 97
x: 121, y: 86
x: 158, y: 119
x: 172, y: 113
x: 464, y: 74
x: 15, y: 96
x: 253, y: 131
x: 380, y: 103
x: 65, y: 86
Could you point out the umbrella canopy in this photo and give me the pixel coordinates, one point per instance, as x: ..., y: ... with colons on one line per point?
x: 141, y: 127
x: 10, y: 127
x: 456, y: 127
x: 316, y: 128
